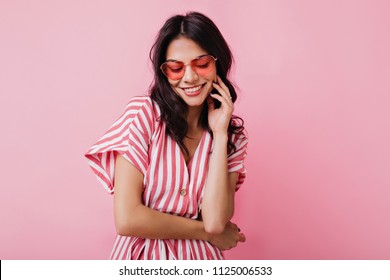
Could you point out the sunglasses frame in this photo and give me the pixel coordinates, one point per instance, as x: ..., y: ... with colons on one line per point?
x: 185, y: 64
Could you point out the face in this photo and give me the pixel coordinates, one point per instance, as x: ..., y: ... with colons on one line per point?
x: 192, y: 87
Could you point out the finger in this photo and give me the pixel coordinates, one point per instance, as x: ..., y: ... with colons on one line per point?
x: 242, y: 237
x: 230, y: 225
x: 224, y: 87
x: 219, y: 98
x: 224, y: 102
x: 223, y: 93
x: 222, y: 84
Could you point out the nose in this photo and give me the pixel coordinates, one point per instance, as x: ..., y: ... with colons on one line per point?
x: 189, y: 75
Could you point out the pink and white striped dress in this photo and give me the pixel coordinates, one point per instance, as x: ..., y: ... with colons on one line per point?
x: 169, y: 184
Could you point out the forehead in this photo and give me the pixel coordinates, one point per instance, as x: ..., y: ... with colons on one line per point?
x: 184, y: 49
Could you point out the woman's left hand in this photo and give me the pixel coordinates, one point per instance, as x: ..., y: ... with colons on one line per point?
x: 219, y: 118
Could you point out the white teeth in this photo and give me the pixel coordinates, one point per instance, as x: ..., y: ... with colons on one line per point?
x: 193, y: 89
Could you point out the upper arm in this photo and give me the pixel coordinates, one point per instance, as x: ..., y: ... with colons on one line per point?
x: 127, y: 192
x: 233, y: 177
x: 232, y: 180
x: 236, y: 159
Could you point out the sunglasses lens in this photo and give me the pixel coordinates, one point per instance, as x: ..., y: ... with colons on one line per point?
x: 175, y: 70
x: 203, y: 65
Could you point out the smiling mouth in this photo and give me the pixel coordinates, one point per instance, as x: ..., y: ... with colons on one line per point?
x: 192, y: 89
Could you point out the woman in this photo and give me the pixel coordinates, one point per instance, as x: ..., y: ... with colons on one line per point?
x: 175, y: 158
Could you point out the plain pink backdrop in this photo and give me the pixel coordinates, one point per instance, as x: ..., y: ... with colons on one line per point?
x: 314, y: 90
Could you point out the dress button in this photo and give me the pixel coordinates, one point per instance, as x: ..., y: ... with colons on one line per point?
x: 183, y: 192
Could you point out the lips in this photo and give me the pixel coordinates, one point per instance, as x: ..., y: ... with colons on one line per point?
x: 193, y: 91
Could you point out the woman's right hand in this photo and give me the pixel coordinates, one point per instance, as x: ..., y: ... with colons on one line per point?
x: 229, y: 238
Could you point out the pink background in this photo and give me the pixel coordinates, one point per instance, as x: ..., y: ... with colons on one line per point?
x: 314, y: 91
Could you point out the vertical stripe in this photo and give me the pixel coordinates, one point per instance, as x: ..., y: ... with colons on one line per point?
x: 178, y: 204
x: 119, y: 247
x: 202, y: 246
x: 124, y: 248
x: 179, y: 249
x: 114, y: 247
x: 171, y: 180
x: 194, y: 244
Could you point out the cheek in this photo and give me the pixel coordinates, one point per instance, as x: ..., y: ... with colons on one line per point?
x: 208, y: 89
x: 213, y: 75
x: 173, y: 83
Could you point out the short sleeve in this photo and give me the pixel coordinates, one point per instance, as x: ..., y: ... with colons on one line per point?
x: 129, y: 136
x: 236, y: 158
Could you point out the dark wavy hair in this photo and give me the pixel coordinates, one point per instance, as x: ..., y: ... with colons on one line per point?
x: 204, y: 32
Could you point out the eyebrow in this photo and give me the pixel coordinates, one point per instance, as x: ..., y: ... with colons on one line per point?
x: 174, y: 60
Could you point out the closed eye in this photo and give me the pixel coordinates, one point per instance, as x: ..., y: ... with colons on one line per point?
x: 205, y: 65
x: 175, y: 70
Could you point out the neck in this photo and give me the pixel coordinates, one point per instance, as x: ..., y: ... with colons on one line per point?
x: 193, y: 118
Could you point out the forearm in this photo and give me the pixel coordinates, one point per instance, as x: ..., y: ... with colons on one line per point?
x: 145, y: 222
x: 218, y: 200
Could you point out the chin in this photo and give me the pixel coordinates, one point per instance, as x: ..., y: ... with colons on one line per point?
x: 191, y: 102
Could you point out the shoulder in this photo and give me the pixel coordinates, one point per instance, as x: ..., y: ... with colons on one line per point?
x: 142, y: 106
x: 137, y: 103
x: 142, y: 113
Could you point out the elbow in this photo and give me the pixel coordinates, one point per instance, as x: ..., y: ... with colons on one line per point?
x: 122, y: 229
x: 215, y: 224
x: 214, y: 228
x: 127, y: 223
x: 126, y: 228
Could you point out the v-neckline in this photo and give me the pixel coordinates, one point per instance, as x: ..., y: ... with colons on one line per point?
x: 188, y: 165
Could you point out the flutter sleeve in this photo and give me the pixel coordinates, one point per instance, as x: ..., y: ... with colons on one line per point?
x: 236, y: 158
x: 129, y: 136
